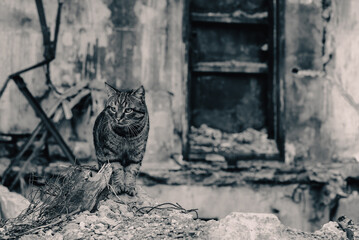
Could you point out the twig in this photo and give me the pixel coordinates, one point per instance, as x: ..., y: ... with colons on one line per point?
x: 62, y: 218
x: 34, y: 230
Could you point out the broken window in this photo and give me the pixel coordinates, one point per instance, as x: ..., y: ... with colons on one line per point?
x: 234, y: 83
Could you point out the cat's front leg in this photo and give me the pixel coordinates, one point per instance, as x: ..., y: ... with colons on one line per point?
x: 118, y: 177
x: 131, y: 172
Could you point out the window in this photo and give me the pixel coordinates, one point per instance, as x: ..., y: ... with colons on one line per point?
x: 235, y: 76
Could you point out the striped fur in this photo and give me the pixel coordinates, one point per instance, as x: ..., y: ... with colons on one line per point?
x: 120, y: 136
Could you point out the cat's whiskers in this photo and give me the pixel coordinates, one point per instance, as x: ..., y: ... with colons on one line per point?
x: 132, y: 130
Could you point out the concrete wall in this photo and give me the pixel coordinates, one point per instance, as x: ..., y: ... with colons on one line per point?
x: 218, y: 202
x: 322, y: 104
x: 126, y: 43
x: 84, y: 29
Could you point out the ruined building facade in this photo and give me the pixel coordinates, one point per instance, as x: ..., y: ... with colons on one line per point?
x: 274, y: 80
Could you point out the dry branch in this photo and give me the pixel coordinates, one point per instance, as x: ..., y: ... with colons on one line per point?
x: 77, y: 191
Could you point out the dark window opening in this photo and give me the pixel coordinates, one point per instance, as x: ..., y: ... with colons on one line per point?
x: 234, y: 77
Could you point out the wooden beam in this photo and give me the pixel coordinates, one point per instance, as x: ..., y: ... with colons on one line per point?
x: 231, y: 67
x: 239, y: 18
x: 281, y: 76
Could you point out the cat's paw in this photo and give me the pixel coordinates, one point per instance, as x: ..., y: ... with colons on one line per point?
x: 119, y: 188
x: 130, y: 191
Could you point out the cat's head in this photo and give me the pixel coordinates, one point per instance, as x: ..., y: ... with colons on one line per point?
x: 126, y: 107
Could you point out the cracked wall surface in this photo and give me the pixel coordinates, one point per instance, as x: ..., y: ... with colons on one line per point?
x: 126, y: 43
x: 343, y: 120
x: 155, y: 57
x: 81, y: 57
x: 142, y: 42
x: 322, y: 117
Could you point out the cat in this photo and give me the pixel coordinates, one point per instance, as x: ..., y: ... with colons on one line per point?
x: 120, y: 136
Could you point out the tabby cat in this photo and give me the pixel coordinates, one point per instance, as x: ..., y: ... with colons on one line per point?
x: 120, y: 136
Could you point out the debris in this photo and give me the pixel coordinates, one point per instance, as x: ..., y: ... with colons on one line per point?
x: 331, y: 229
x: 347, y: 225
x: 77, y: 191
x: 248, y: 226
x: 139, y: 217
x: 11, y: 203
x: 250, y: 143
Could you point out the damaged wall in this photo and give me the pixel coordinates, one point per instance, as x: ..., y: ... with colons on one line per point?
x: 129, y: 43
x: 81, y: 58
x: 343, y: 121
x: 159, y: 64
x: 262, y: 199
x: 322, y: 113
x: 126, y: 43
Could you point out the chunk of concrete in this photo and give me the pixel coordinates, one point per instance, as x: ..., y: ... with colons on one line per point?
x: 248, y: 226
x: 11, y: 203
x: 258, y: 226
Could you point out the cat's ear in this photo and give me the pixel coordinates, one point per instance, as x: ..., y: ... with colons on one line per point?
x: 110, y: 90
x: 139, y: 93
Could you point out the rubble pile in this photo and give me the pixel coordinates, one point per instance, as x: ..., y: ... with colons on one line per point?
x: 213, y: 143
x: 123, y: 217
x: 115, y: 220
x: 84, y: 206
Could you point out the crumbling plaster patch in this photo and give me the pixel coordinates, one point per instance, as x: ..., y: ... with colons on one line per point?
x: 342, y: 124
x: 161, y: 57
x: 322, y: 107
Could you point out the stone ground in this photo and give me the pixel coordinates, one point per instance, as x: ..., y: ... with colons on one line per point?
x: 119, y: 217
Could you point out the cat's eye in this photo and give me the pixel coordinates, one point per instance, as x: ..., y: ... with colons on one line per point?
x: 113, y: 109
x: 128, y: 110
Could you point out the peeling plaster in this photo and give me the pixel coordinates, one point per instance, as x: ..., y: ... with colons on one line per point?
x: 322, y: 113
x: 343, y: 120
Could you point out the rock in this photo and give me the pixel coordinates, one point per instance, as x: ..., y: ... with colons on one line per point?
x: 331, y: 230
x: 348, y: 226
x: 73, y: 234
x: 11, y: 203
x: 108, y: 221
x: 248, y: 226
x: 267, y: 226
x: 71, y: 227
x: 33, y: 237
x: 82, y: 225
x: 125, y: 212
x: 58, y: 236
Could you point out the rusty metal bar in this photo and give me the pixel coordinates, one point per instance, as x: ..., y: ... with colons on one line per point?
x: 47, y: 122
x: 57, y: 27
